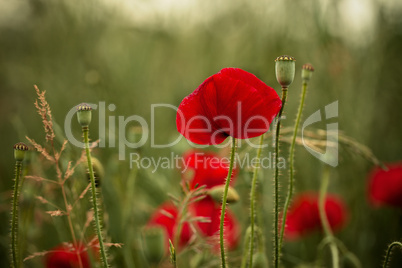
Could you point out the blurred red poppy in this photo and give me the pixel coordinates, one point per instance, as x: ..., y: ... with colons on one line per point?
x: 233, y: 103
x: 211, y: 210
x: 209, y: 169
x: 385, y: 187
x: 67, y: 256
x: 166, y: 217
x: 303, y: 216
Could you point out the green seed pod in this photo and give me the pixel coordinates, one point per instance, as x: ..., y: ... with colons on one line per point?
x: 217, y: 193
x: 19, y: 151
x: 285, y: 70
x: 99, y: 171
x: 154, y: 244
x: 260, y: 260
x: 307, y: 72
x: 84, y: 114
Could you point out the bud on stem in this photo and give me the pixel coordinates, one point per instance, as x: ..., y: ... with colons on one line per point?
x: 285, y: 70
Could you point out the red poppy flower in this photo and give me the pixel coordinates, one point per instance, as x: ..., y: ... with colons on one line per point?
x: 65, y: 256
x: 233, y: 103
x: 209, y: 209
x: 166, y: 217
x: 209, y: 169
x: 303, y: 216
x: 385, y: 187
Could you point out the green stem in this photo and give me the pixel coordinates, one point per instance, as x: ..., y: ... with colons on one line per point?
x: 324, y: 219
x: 252, y: 200
x: 393, y: 244
x: 85, y: 131
x: 225, y: 195
x: 291, y: 163
x: 349, y: 256
x: 276, y: 181
x: 130, y: 256
x: 246, y: 248
x: 260, y: 241
x: 14, y: 217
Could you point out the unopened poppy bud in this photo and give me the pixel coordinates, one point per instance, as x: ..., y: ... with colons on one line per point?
x: 172, y: 252
x: 154, y: 244
x: 307, y: 72
x: 84, y: 114
x: 99, y: 171
x: 260, y: 260
x: 217, y: 193
x: 285, y: 70
x: 19, y: 151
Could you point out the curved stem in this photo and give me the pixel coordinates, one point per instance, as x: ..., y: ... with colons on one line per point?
x: 85, y: 131
x: 252, y: 200
x: 291, y: 163
x: 347, y: 254
x: 276, y: 182
x: 14, y: 217
x: 225, y: 195
x: 246, y: 248
x: 390, y: 247
x: 324, y: 219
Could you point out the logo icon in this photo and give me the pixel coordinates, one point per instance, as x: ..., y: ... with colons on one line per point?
x: 330, y: 156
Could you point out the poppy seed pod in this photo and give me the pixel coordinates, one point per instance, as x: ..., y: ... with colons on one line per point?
x: 217, y: 193
x: 307, y: 72
x: 19, y: 151
x: 285, y: 70
x: 154, y: 244
x: 84, y: 114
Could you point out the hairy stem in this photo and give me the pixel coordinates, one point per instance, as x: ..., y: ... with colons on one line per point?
x: 276, y: 181
x: 291, y: 163
x: 225, y: 195
x: 85, y: 131
x: 323, y: 216
x: 252, y: 200
x: 389, y: 250
x: 14, y: 217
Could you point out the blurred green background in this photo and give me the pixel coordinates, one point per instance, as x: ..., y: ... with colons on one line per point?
x: 137, y: 53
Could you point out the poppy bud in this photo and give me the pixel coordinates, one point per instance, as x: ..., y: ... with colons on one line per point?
x: 172, y: 252
x: 307, y: 72
x: 84, y: 114
x: 285, y: 70
x: 154, y: 242
x: 217, y: 193
x: 260, y: 260
x: 19, y: 151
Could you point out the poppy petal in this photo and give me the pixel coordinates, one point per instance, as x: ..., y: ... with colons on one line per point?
x: 385, y: 186
x: 210, y: 169
x: 303, y: 216
x: 233, y: 103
